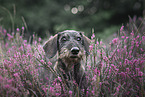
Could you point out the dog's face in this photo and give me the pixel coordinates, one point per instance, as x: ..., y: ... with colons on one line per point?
x: 70, y: 44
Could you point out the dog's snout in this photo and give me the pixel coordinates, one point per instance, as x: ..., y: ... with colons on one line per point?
x: 75, y: 50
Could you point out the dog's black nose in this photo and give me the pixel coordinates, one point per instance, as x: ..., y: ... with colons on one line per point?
x: 75, y: 50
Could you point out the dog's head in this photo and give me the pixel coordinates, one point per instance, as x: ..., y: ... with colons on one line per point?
x: 69, y: 44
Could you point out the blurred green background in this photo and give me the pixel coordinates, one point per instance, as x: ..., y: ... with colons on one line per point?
x: 47, y: 17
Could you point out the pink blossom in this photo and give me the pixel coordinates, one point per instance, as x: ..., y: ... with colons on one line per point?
x: 132, y: 42
x: 18, y: 29
x: 97, y: 43
x: 127, y: 70
x: 16, y: 74
x: 140, y: 73
x: 5, y: 31
x: 49, y: 63
x: 132, y: 33
x: 126, y: 61
x: 51, y: 89
x: 93, y: 36
x: 94, y: 78
x: 89, y: 66
x: 101, y: 42
x: 135, y: 60
x: 137, y: 37
x: 137, y: 44
x: 118, y: 50
x: 59, y: 78
x: 122, y: 74
x: 93, y: 92
x: 57, y: 94
x: 9, y: 36
x: 21, y: 48
x: 127, y: 37
x: 121, y: 29
x: 45, y: 90
x: 35, y: 42
x: 25, y: 41
x: 70, y: 92
x: 7, y: 86
x: 142, y: 61
x: 143, y: 38
x: 125, y: 40
x: 95, y: 71
x: 105, y: 58
x: 39, y: 39
x: 23, y: 28
x: 91, y: 47
x: 115, y: 40
x: 6, y: 45
x: 137, y: 70
x: 114, y: 67
x: 122, y: 36
x: 42, y: 61
x: 118, y: 88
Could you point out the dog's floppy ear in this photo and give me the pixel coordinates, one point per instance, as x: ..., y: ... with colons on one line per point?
x: 50, y: 47
x: 86, y: 43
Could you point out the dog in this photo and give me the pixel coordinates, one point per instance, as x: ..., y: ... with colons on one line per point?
x: 72, y: 47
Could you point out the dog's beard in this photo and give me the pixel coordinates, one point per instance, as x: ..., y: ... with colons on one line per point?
x: 66, y: 56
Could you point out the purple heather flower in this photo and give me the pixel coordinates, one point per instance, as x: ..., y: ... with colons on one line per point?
x: 16, y: 74
x: 121, y: 29
x: 93, y: 36
x: 137, y: 70
x: 49, y: 63
x: 140, y: 73
x: 123, y: 74
x: 143, y: 38
x: 18, y: 29
x: 127, y: 70
x: 91, y: 47
x: 137, y: 44
x: 39, y: 39
x: 95, y: 71
x: 94, y: 78
x: 23, y: 28
x: 122, y: 36
x: 7, y: 86
x: 70, y: 92
x: 115, y: 40
x: 132, y: 34
x: 137, y: 37
x: 59, y: 78
x: 42, y: 61
x: 9, y: 36
x: 89, y: 66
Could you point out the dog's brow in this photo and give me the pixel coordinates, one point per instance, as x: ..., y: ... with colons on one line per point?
x: 63, y: 35
x: 74, y: 34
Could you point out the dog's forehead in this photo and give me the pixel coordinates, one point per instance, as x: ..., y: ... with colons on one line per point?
x: 70, y: 33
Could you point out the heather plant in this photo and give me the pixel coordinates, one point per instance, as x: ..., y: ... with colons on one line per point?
x: 119, y: 70
x: 114, y: 70
x: 19, y: 69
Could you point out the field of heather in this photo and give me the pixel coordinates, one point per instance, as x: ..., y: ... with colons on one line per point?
x: 115, y: 70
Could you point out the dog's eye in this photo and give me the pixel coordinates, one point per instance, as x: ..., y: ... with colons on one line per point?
x: 63, y: 39
x: 78, y: 38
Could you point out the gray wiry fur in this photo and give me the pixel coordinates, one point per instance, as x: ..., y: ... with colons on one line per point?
x: 72, y: 47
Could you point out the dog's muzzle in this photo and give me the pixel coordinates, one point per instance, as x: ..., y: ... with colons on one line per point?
x: 74, y: 52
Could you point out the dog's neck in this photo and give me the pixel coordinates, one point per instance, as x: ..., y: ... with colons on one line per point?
x: 68, y: 65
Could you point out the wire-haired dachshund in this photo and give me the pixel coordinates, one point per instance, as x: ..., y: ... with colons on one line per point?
x: 72, y: 48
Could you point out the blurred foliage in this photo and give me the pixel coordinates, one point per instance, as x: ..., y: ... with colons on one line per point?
x: 52, y: 16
